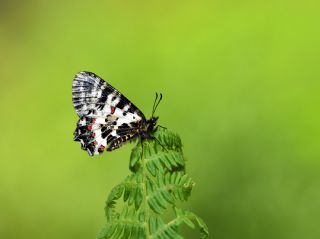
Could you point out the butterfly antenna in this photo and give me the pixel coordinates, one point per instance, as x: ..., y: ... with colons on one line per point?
x: 154, y: 104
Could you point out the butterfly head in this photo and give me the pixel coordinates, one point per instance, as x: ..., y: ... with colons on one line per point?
x: 151, y: 124
x: 153, y: 120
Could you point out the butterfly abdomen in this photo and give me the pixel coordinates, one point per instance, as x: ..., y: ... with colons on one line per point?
x: 117, y: 143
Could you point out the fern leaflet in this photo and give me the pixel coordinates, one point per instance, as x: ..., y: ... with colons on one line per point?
x: 157, y: 182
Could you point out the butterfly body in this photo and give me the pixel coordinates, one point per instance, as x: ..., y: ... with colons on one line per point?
x: 107, y: 118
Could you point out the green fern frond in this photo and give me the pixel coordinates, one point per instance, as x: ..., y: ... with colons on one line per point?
x: 166, y: 189
x: 128, y: 224
x: 160, y: 230
x: 157, y: 182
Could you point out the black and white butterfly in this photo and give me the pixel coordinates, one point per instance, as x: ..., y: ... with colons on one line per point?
x: 107, y: 118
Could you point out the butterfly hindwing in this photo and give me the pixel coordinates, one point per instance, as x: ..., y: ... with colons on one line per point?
x: 107, y: 118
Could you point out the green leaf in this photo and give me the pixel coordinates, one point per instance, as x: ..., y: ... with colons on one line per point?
x: 134, y: 158
x: 157, y: 182
x: 114, y: 195
x: 161, y: 193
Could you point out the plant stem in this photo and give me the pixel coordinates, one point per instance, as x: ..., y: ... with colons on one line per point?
x: 145, y: 201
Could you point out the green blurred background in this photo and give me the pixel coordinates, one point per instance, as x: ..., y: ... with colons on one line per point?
x: 241, y: 84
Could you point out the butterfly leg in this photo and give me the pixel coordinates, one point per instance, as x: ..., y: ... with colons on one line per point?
x: 161, y: 127
x: 158, y: 141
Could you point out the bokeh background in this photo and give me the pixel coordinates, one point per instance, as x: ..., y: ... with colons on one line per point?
x: 241, y: 85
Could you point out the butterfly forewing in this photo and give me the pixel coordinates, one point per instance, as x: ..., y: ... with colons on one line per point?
x: 107, y: 118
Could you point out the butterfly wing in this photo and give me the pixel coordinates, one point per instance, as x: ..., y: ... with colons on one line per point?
x: 106, y: 116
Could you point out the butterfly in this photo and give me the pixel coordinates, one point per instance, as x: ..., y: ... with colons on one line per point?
x: 107, y: 119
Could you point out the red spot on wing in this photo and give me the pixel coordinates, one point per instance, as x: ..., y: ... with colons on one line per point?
x: 95, y: 142
x: 93, y: 135
x: 113, y: 109
x: 89, y: 127
x: 101, y: 148
x: 94, y: 120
